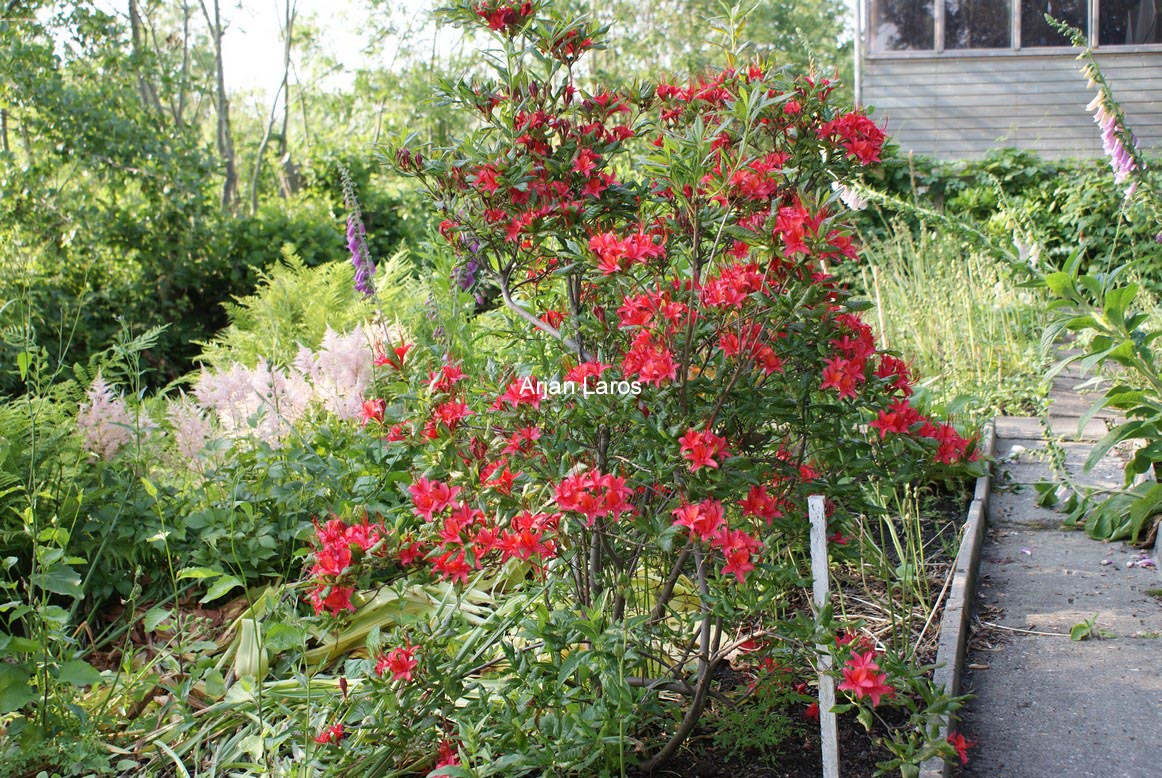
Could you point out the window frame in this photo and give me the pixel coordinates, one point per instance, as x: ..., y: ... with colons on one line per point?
x: 871, y: 7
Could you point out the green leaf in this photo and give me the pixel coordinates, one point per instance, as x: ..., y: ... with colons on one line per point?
x: 155, y: 616
x: 60, y: 579
x: 865, y: 717
x: 79, y: 673
x: 15, y: 692
x: 23, y: 362
x: 150, y: 489
x: 220, y: 588
x: 198, y: 572
x: 215, y: 683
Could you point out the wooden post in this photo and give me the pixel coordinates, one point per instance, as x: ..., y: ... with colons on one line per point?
x: 821, y: 591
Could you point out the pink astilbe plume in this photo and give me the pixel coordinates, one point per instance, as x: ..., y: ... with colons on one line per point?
x: 105, y: 420
x: 341, y: 372
x: 190, y: 426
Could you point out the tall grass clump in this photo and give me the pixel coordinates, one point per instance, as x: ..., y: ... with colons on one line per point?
x: 961, y: 316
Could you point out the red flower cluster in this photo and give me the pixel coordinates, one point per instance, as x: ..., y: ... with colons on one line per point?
x: 760, y: 504
x: 706, y: 521
x: 372, y: 411
x: 649, y: 308
x: 593, y: 495
x: 862, y: 677
x: 330, y: 735
x: 400, y: 662
x: 650, y: 359
x: 748, y: 341
x: 394, y: 359
x: 431, y: 497
x: 521, y: 391
x: 504, y: 17
x: 701, y: 448
x: 857, y: 134
x: 616, y: 254
x: 844, y: 376
x: 338, y: 545
x: 961, y: 744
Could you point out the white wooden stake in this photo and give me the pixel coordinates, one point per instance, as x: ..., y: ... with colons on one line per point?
x: 821, y: 589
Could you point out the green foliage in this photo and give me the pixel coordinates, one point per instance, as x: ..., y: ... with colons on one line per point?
x: 960, y: 315
x: 765, y: 721
x: 1012, y: 194
x: 292, y: 307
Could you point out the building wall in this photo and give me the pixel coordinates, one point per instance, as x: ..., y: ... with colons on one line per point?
x: 959, y: 107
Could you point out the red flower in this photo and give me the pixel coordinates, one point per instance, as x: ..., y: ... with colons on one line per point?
x: 521, y: 391
x: 330, y: 735
x: 451, y: 413
x: 812, y: 711
x: 448, y: 757
x: 445, y: 378
x: 431, y: 497
x: 961, y: 744
x: 701, y: 448
x: 400, y: 662
x: 705, y: 520
x: 586, y: 370
x: 593, y: 495
x: 861, y: 677
x: 842, y: 375
x: 898, y: 419
x: 395, y: 358
x: 758, y: 502
x: 337, y: 600
x: 523, y: 441
x: 651, y: 360
x: 373, y: 411
x: 738, y: 547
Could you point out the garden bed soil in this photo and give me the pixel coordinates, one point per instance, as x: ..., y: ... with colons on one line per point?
x: 859, y: 752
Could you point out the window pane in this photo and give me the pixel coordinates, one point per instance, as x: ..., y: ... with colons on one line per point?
x: 977, y: 24
x: 1035, y: 31
x: 1128, y: 22
x: 904, y: 25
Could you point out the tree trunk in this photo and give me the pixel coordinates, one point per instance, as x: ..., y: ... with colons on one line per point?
x: 145, y: 88
x: 288, y: 178
x: 222, y: 104
x: 4, y: 131
x: 179, y: 110
x: 288, y: 29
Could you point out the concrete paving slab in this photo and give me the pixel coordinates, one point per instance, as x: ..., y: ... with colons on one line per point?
x: 1050, y: 580
x: 1019, y: 509
x: 1062, y: 709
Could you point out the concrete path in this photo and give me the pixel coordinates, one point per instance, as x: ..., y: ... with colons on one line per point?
x: 1047, y: 706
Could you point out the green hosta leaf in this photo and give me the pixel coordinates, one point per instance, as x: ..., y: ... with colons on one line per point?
x: 79, y: 673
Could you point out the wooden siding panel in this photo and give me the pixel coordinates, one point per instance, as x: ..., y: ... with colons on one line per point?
x: 960, y: 107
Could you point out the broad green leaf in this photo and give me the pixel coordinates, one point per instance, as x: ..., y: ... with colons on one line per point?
x: 220, y: 588
x: 155, y: 616
x: 79, y: 673
x: 60, y: 579
x: 15, y: 692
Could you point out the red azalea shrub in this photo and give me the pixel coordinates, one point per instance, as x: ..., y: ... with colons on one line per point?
x: 689, y: 372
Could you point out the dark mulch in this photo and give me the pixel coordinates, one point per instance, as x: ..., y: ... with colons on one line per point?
x: 858, y: 755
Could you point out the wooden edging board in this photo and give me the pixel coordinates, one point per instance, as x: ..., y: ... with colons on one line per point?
x: 954, y: 626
